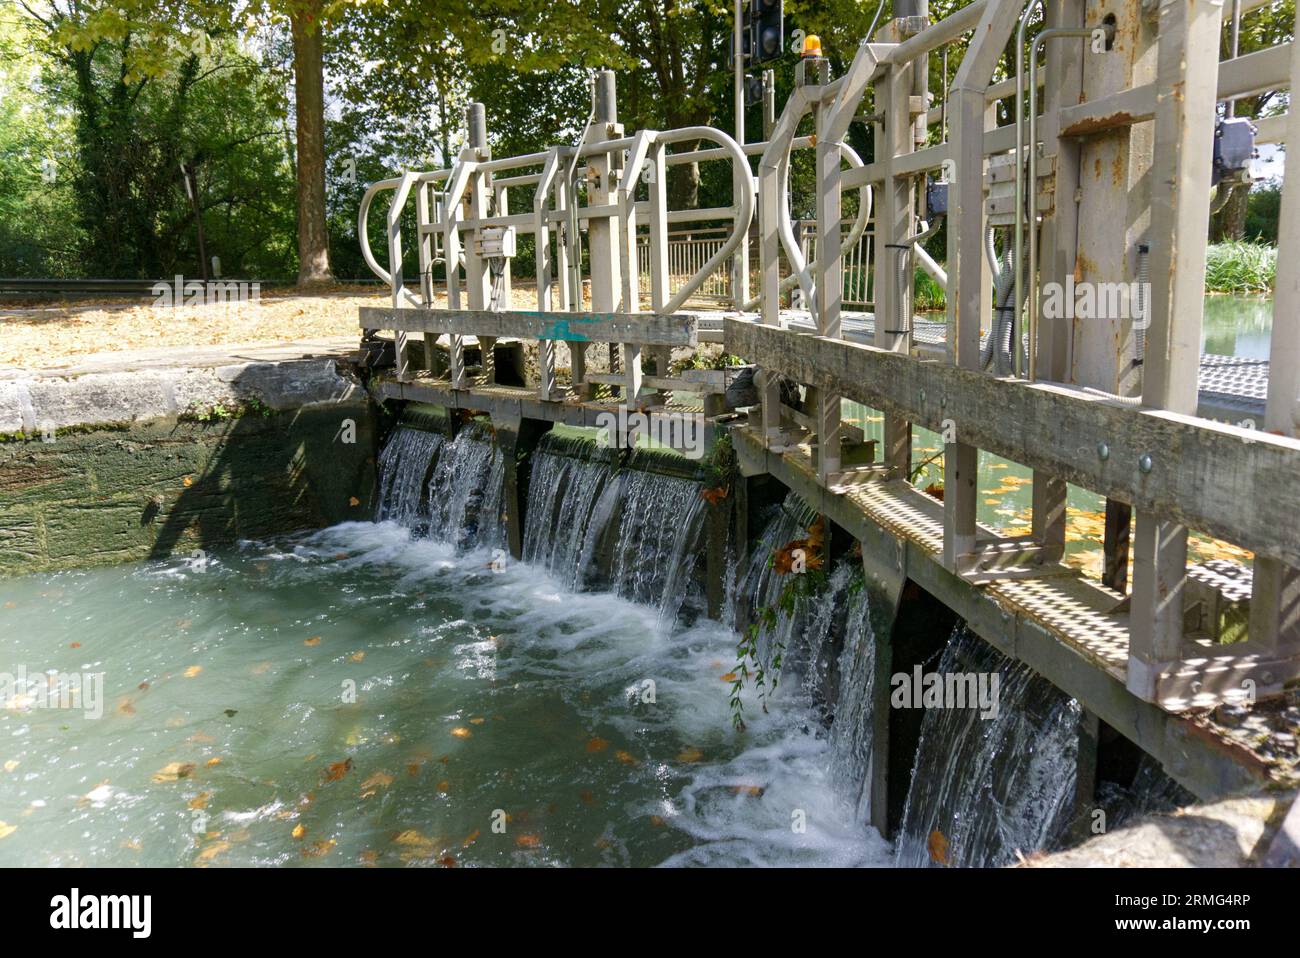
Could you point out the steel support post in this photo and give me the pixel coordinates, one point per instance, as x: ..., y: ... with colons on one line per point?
x: 1187, y: 76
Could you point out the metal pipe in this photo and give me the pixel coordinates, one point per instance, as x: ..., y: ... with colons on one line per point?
x: 1234, y: 43
x: 1019, y: 239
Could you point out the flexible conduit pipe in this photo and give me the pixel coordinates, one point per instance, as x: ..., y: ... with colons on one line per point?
x: 865, y: 199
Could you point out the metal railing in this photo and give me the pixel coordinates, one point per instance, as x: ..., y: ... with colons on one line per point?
x: 1068, y: 400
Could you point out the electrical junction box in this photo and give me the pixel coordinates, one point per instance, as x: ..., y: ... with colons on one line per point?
x: 1234, y: 147
x: 936, y: 199
x: 495, y: 242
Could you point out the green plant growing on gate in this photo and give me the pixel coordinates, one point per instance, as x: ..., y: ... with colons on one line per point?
x: 718, y: 468
x: 802, y: 562
x: 699, y: 360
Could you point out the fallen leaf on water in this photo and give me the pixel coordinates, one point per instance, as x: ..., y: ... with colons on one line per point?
x: 356, y: 656
x: 627, y: 758
x: 354, y: 501
x: 125, y: 707
x: 337, y: 770
x: 586, y: 797
x: 938, y: 846
x: 74, y: 645
x: 377, y: 781
x: 461, y: 732
x: 753, y: 790
x: 528, y: 841
x: 444, y: 787
x: 7, y: 830
x: 201, y: 737
x: 260, y: 668
x: 470, y: 839
x: 413, y: 769
x: 314, y: 640
x: 411, y: 837
x: 317, y: 849
x: 131, y: 844
x: 368, y: 857
x: 213, y: 761
x: 597, y: 744
x: 447, y: 861
x: 143, y: 686
x: 656, y: 821
x: 729, y: 677
x: 478, y: 720
x: 11, y: 765
x: 187, y: 482
x: 200, y: 800
x: 298, y: 831
x: 173, y: 771
x: 690, y: 754
x: 212, y: 851
x: 192, y: 671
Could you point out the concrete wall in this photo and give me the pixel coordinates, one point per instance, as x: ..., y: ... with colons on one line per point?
x: 140, y: 463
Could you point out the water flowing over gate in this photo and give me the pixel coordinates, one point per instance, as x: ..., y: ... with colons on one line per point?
x: 1072, y: 172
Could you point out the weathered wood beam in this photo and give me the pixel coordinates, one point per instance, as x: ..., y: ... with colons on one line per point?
x: 644, y: 328
x: 1234, y: 483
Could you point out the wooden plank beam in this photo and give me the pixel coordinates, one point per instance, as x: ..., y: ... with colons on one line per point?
x: 644, y: 328
x: 1234, y: 483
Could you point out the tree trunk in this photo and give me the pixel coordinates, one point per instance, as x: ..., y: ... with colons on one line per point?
x: 1230, y: 222
x: 309, y: 100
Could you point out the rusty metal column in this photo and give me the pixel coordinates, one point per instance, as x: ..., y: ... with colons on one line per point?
x: 830, y: 291
x: 1187, y: 76
x: 1275, y: 599
x: 894, y: 217
x: 478, y: 277
x: 969, y: 287
x: 1063, y: 86
x: 602, y: 231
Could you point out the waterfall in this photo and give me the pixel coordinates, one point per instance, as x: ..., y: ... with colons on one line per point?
x: 596, y: 525
x: 460, y: 502
x: 403, y: 466
x: 991, y: 787
x: 465, y: 492
x: 565, y: 493
x: 599, y: 520
x: 762, y: 585
x: 852, y: 730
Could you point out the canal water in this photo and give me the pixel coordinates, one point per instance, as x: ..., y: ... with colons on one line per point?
x: 368, y: 695
x: 396, y: 693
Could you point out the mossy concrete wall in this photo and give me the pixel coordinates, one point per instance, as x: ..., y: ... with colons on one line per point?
x: 247, y: 462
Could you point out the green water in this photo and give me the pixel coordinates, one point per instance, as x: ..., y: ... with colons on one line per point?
x: 227, y: 731
x: 1237, y: 326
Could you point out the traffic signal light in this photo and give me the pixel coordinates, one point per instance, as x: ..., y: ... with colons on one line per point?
x: 767, y: 19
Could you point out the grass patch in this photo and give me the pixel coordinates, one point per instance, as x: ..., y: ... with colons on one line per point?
x: 1240, y: 268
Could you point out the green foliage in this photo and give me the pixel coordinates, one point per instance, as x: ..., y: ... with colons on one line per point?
x: 1240, y: 268
x: 122, y: 99
x: 720, y: 466
x: 1262, y: 212
x: 927, y: 295
x: 796, y: 595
